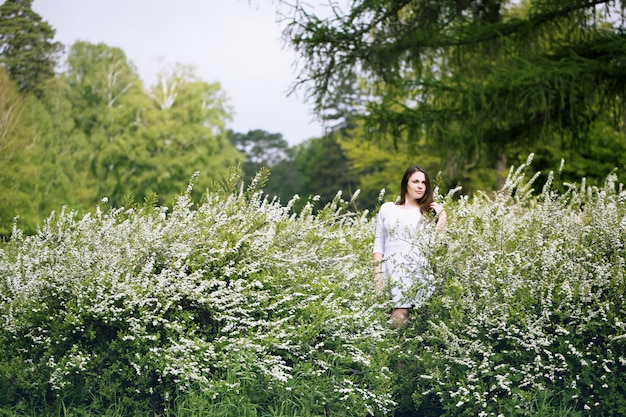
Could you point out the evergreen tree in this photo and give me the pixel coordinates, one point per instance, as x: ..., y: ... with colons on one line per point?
x: 27, y: 49
x: 324, y: 169
x: 270, y: 150
x: 483, y: 80
x: 285, y: 179
x: 261, y: 149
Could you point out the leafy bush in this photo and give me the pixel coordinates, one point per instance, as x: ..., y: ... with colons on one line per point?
x: 238, y: 306
x: 236, y: 299
x: 530, y: 306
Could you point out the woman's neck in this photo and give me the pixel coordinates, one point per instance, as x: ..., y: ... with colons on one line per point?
x: 408, y: 203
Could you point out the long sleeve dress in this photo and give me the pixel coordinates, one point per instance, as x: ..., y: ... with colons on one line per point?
x: 401, y: 236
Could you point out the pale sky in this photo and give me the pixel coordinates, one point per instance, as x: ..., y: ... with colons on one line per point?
x: 234, y: 42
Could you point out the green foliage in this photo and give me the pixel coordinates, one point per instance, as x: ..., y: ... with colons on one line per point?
x: 285, y: 181
x: 260, y: 148
x: 238, y: 306
x: 138, y: 308
x: 376, y: 164
x: 40, y: 168
x: 141, y: 142
x: 15, y: 152
x: 26, y: 47
x: 95, y: 132
x: 530, y: 300
x: 324, y: 169
x: 483, y: 81
x: 268, y: 150
x: 602, y: 152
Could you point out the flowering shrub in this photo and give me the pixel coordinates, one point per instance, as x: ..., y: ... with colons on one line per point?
x: 234, y: 299
x: 530, y: 304
x: 237, y: 306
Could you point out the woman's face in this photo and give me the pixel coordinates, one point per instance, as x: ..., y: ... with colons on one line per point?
x: 416, y: 186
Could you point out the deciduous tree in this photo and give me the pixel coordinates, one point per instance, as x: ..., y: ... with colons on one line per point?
x: 141, y: 141
x: 42, y: 159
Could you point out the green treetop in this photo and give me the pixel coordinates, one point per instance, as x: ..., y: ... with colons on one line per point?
x: 481, y: 79
x: 27, y: 49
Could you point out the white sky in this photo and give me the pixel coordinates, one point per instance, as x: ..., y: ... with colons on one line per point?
x: 234, y: 42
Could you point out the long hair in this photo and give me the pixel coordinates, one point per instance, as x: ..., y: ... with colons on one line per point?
x: 427, y: 199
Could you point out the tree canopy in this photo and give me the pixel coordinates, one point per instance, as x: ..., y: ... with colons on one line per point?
x: 96, y: 132
x: 27, y: 49
x: 483, y: 79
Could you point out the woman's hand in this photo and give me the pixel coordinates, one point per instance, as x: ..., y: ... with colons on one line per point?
x: 440, y: 216
x: 379, y: 285
x: 437, y: 207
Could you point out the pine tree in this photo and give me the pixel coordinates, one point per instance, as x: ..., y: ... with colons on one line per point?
x: 483, y: 80
x: 27, y: 50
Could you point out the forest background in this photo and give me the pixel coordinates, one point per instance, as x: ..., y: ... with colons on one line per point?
x: 464, y: 90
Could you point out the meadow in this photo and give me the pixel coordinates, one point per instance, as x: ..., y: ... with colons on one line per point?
x: 234, y: 305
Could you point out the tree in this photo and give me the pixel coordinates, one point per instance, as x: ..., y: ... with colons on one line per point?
x: 260, y: 148
x: 481, y: 79
x: 100, y: 79
x: 142, y: 142
x: 270, y: 150
x: 324, y: 169
x: 42, y: 163
x: 185, y: 136
x: 27, y: 49
x: 68, y: 146
x: 106, y: 98
x: 285, y: 179
x: 15, y: 152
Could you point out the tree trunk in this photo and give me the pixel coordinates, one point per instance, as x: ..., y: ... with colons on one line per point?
x: 501, y: 168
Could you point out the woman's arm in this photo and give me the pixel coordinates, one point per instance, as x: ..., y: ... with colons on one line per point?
x: 379, y: 284
x: 379, y: 250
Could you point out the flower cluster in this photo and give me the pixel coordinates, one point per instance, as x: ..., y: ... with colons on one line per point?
x: 530, y: 300
x: 239, y: 302
x: 147, y: 305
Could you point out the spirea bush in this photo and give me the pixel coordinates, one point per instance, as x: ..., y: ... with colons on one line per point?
x: 234, y: 302
x: 237, y: 306
x: 529, y: 316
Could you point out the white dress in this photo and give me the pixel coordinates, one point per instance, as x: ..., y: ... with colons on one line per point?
x: 401, y: 236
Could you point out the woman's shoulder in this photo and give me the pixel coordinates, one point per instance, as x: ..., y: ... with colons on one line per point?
x: 388, y: 206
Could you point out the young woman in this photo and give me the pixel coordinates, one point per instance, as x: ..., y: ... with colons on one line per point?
x: 402, y: 231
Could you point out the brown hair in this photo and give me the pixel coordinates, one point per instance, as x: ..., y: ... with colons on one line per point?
x: 427, y: 199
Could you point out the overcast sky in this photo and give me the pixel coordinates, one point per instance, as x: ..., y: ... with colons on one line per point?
x: 234, y: 42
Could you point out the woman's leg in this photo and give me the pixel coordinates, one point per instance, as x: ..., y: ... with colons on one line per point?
x: 400, y: 317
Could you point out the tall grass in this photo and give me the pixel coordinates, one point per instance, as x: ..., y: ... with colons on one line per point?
x: 237, y: 306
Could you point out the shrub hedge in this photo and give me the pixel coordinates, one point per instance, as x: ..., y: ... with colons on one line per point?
x: 239, y: 306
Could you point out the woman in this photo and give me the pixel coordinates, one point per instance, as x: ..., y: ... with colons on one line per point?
x: 402, y: 230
